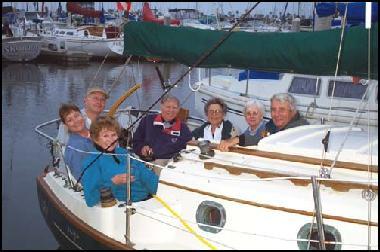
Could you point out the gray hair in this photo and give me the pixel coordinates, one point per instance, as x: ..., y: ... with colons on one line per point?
x: 285, y: 97
x: 254, y: 103
x: 216, y: 101
x: 168, y: 97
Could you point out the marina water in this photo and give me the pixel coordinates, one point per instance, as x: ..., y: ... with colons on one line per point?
x: 31, y: 95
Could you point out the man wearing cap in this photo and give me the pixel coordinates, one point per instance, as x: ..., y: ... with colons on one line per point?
x: 94, y: 104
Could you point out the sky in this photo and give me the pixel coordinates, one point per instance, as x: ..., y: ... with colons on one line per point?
x: 205, y: 7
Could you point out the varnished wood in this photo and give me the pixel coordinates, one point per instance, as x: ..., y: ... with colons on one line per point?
x: 341, y: 186
x: 297, y: 158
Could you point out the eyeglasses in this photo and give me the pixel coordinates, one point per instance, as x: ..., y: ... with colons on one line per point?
x: 214, y: 111
x: 252, y: 113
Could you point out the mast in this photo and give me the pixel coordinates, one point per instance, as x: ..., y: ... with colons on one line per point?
x: 196, y: 9
x: 298, y: 12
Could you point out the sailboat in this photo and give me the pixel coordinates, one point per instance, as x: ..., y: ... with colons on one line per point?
x: 309, y: 187
x: 16, y: 44
x: 90, y: 40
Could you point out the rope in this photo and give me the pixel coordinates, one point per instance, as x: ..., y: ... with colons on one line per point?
x: 179, y: 228
x: 184, y: 223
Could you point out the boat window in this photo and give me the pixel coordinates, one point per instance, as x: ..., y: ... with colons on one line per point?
x: 62, y: 32
x: 70, y: 33
x: 344, y: 89
x: 211, y: 213
x: 301, y: 85
x: 331, y: 234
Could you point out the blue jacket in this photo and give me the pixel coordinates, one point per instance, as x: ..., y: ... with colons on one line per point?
x: 100, y: 173
x: 249, y: 138
x: 164, y: 145
x: 74, y: 159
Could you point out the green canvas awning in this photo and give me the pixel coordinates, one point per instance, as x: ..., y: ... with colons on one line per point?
x: 299, y: 52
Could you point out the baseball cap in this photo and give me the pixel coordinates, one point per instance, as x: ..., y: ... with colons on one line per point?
x: 97, y: 89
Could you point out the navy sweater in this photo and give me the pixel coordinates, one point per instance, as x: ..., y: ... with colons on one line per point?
x: 164, y: 145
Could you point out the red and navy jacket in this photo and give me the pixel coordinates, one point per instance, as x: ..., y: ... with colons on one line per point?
x: 166, y: 139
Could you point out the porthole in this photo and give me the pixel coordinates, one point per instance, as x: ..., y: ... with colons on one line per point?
x: 212, y: 214
x: 331, y: 234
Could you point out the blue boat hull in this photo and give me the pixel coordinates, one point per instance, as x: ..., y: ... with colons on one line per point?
x: 69, y: 231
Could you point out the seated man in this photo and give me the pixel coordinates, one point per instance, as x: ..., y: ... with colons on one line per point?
x: 284, y: 114
x: 108, y: 171
x: 253, y: 113
x: 94, y: 104
x: 79, y: 137
x: 159, y: 137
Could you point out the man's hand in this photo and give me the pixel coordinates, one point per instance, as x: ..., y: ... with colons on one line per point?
x: 146, y: 151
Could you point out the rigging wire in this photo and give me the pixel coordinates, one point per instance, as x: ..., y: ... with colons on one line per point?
x: 369, y: 149
x: 349, y: 130
x: 104, y: 60
x: 198, y: 62
x: 323, y: 171
x: 338, y: 59
x: 122, y: 71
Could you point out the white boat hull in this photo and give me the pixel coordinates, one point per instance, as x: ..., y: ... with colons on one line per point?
x: 93, y: 47
x: 21, y: 49
x: 255, y: 198
x: 313, y: 108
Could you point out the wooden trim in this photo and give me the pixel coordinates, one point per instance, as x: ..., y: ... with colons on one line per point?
x: 341, y: 186
x: 306, y: 160
x: 300, y: 159
x: 284, y: 209
x: 75, y: 221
